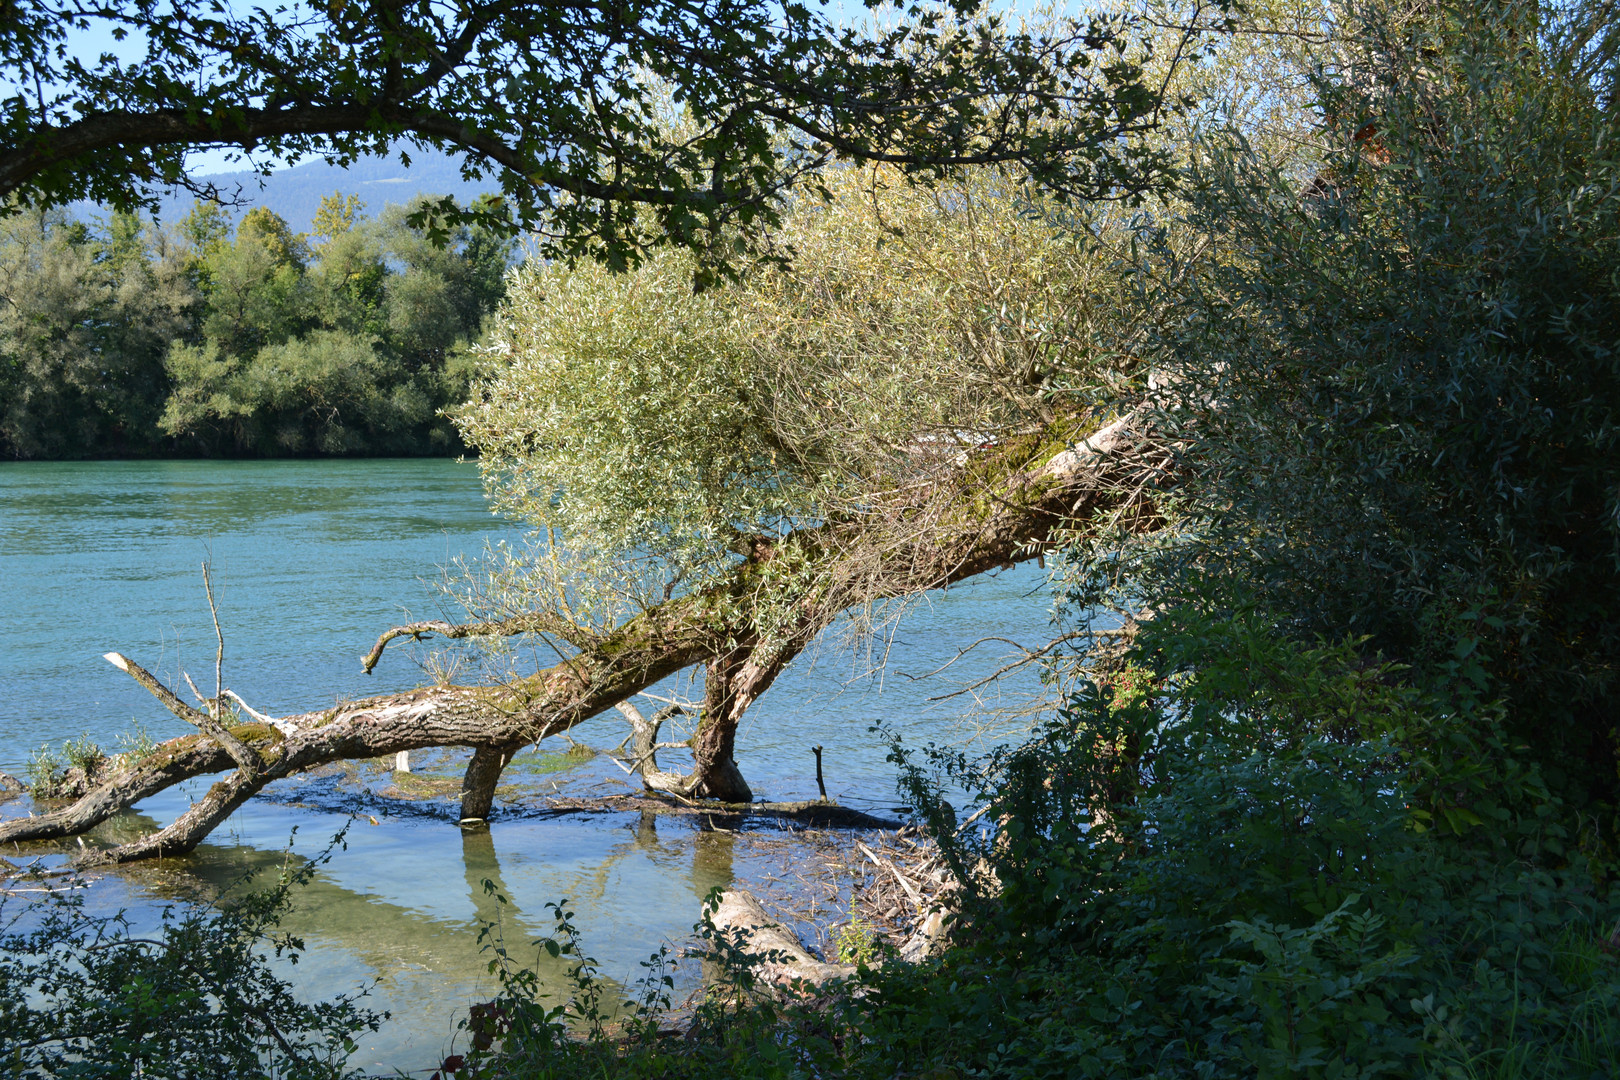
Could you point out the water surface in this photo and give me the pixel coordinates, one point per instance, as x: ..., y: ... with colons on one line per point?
x: 311, y: 560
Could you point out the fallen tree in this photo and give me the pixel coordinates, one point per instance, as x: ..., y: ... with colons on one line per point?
x: 1011, y: 499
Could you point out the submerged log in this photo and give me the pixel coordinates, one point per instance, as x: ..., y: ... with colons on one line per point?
x: 1015, y: 496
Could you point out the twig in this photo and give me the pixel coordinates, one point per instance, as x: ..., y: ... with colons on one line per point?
x: 884, y: 864
x: 975, y: 816
x: 219, y: 636
x: 1029, y: 657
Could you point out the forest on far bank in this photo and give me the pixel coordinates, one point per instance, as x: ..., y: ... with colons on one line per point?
x: 121, y: 337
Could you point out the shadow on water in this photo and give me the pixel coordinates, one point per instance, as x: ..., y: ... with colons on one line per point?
x: 400, y: 905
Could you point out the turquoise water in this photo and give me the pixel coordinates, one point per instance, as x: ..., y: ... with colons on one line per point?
x: 312, y: 559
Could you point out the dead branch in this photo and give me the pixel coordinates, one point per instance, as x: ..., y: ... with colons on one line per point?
x: 239, y: 751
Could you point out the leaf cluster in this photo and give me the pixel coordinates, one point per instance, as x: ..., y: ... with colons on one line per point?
x: 565, y: 103
x: 660, y: 434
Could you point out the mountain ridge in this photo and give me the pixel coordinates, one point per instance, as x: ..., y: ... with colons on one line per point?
x: 296, y: 192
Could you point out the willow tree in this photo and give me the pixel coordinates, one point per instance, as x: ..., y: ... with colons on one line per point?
x: 812, y: 441
x: 931, y: 381
x: 729, y: 471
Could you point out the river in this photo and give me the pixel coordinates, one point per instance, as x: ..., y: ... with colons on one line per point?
x: 311, y: 560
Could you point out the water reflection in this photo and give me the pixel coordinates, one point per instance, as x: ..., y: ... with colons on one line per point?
x: 714, y: 850
x: 391, y: 912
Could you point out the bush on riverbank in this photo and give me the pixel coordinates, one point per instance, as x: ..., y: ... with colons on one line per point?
x: 128, y: 340
x: 85, y: 995
x: 1305, y: 869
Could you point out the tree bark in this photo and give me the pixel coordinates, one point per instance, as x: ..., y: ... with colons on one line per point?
x: 732, y: 682
x: 1027, y: 488
x: 483, y: 774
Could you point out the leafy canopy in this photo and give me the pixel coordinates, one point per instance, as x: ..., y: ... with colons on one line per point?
x: 649, y: 425
x: 569, y: 104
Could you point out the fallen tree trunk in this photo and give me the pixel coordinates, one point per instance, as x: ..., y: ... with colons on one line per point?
x: 772, y: 954
x: 1018, y: 495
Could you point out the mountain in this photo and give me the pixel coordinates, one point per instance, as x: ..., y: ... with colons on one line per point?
x: 295, y: 193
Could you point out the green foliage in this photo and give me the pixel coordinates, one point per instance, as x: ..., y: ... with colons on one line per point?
x: 51, y: 772
x: 85, y: 995
x: 84, y: 753
x: 356, y: 352
x: 336, y: 215
x: 135, y: 745
x: 663, y: 432
x: 1397, y: 398
x: 857, y: 942
x: 1220, y: 873
x: 197, y: 341
x: 632, y: 417
x: 1227, y: 877
x: 44, y: 770
x: 83, y: 331
x: 571, y: 106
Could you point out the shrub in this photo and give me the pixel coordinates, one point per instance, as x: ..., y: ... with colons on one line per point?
x: 84, y: 995
x: 1279, y: 861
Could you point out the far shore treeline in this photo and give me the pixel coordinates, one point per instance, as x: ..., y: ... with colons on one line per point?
x: 120, y: 337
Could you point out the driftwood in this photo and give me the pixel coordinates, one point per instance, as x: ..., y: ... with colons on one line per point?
x: 912, y: 898
x: 784, y: 963
x: 909, y: 904
x: 1016, y: 497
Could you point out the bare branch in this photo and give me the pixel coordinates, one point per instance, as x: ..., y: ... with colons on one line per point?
x: 219, y: 636
x: 516, y: 625
x: 239, y: 751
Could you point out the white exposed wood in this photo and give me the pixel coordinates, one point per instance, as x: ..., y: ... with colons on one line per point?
x: 286, y: 727
x: 744, y: 924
